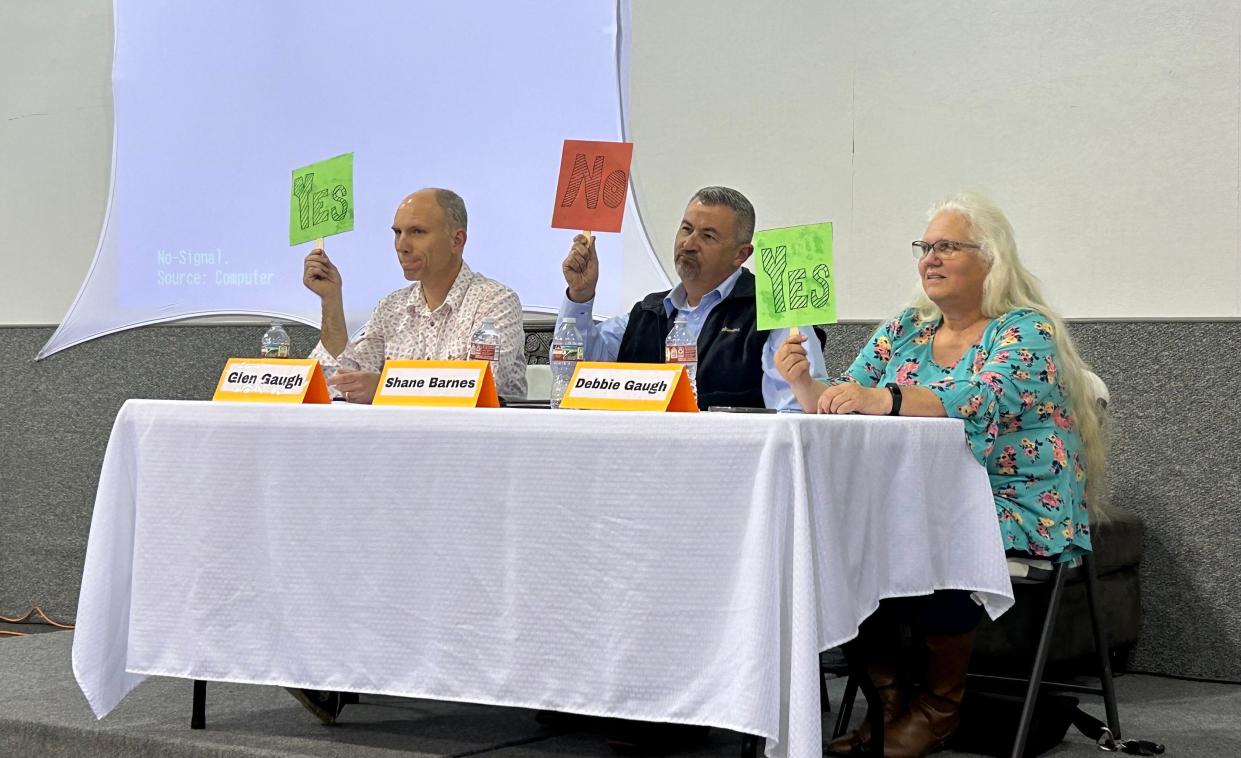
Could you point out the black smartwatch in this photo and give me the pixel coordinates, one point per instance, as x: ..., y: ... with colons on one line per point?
x: 895, y: 389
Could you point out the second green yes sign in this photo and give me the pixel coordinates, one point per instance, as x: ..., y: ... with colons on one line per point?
x: 793, y: 276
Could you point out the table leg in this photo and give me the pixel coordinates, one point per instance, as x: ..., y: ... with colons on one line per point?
x: 198, y: 714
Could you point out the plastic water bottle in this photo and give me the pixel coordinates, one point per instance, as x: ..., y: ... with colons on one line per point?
x: 566, y: 351
x: 275, y: 342
x: 682, y: 348
x: 485, y: 345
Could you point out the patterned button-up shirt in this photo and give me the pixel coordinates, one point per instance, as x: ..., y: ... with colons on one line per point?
x: 402, y: 327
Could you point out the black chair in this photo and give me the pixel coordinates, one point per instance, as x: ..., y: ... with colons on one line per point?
x: 1051, y: 582
x: 1034, y: 684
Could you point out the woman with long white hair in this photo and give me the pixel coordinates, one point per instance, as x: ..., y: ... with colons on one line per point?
x: 978, y: 343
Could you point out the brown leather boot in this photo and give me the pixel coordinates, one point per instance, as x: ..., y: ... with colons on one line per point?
x: 935, y: 713
x: 886, y: 678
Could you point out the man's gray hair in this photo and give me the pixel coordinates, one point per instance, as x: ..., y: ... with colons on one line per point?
x: 741, y: 207
x: 454, y: 208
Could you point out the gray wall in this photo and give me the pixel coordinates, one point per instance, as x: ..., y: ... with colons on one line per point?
x: 1174, y: 387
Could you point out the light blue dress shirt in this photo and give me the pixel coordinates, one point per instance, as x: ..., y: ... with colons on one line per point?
x: 601, y: 342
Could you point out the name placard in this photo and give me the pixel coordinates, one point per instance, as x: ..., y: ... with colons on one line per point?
x: 464, y: 384
x: 630, y: 387
x: 272, y: 380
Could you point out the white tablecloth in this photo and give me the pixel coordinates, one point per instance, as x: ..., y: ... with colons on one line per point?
x: 664, y: 567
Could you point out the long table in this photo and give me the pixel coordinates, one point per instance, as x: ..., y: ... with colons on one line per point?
x: 665, y: 567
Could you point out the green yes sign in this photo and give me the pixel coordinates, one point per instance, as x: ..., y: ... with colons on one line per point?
x: 321, y: 203
x: 793, y: 276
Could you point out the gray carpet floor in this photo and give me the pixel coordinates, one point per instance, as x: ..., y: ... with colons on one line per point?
x: 43, y: 713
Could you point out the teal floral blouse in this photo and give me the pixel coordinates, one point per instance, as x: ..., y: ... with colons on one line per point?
x: 1017, y: 421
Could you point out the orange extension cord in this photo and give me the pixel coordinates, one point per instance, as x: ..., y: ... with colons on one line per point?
x: 24, y: 619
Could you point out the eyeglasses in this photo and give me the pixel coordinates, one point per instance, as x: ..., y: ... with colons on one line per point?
x: 943, y: 248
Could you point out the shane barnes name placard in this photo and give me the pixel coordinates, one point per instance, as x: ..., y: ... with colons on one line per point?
x: 447, y: 383
x: 459, y: 382
x: 431, y: 382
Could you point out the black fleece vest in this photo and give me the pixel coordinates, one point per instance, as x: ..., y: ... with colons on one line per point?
x: 730, y: 349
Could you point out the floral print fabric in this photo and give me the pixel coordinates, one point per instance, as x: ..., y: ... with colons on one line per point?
x: 1017, y: 422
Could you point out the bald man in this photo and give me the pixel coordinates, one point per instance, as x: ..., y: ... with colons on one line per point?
x: 431, y: 319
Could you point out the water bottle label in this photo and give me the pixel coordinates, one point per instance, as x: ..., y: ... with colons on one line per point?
x: 563, y: 353
x: 481, y: 351
x: 681, y: 354
x: 275, y: 351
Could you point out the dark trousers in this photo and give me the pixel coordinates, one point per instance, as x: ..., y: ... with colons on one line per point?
x: 941, y: 612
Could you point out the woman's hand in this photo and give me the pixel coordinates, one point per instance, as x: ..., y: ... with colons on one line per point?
x: 794, y: 366
x: 854, y: 398
x: 792, y: 361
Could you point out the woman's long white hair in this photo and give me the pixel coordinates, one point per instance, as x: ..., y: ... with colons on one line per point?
x: 1008, y: 286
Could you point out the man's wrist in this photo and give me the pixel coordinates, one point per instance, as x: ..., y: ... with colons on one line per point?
x: 580, y: 297
x: 332, y: 307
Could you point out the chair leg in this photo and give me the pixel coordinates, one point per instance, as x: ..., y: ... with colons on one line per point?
x: 1040, y: 662
x: 846, y: 707
x: 825, y: 700
x: 1093, y: 598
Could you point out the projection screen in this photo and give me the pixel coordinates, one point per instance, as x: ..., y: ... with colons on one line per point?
x: 216, y: 103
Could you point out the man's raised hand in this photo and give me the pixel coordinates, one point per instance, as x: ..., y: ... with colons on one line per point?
x: 320, y: 275
x: 581, y: 269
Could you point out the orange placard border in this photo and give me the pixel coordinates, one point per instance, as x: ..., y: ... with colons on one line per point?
x: 484, y: 393
x: 680, y: 397
x: 314, y: 392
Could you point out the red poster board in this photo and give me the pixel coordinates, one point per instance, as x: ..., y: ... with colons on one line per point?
x: 593, y: 185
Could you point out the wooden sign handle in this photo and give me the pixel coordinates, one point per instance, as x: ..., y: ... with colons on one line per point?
x: 319, y: 244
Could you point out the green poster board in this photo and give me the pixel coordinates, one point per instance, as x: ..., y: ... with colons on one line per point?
x: 321, y: 203
x: 793, y: 275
